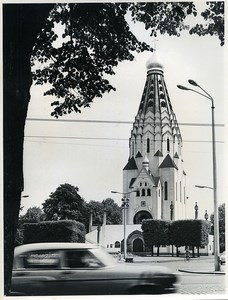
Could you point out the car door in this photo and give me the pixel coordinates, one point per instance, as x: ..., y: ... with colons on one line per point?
x: 83, y: 273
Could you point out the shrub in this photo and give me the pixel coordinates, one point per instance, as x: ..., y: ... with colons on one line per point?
x: 54, y: 231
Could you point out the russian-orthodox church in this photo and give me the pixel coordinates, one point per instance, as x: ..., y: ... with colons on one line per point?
x: 154, y: 181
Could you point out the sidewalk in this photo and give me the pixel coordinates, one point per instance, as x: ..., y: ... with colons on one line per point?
x: 203, y: 265
x: 198, y: 265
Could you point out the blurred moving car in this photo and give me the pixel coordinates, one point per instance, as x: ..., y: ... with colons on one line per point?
x: 83, y: 269
x: 223, y: 258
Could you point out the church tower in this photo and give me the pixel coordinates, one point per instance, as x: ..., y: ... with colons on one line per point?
x: 155, y: 166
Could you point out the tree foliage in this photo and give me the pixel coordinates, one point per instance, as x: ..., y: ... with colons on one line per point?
x: 65, y: 204
x: 164, y: 17
x: 54, y: 231
x: 113, y: 211
x: 178, y: 233
x: 33, y: 215
x: 190, y: 233
x: 222, y: 225
x: 95, y: 37
x: 214, y: 17
x: 156, y: 233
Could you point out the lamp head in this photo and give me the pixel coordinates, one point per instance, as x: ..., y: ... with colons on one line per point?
x: 182, y: 87
x: 192, y: 82
x: 199, y: 186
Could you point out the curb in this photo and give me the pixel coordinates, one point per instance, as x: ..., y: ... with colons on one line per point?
x: 202, y: 272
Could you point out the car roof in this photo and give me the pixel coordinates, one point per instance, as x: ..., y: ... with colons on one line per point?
x: 52, y: 246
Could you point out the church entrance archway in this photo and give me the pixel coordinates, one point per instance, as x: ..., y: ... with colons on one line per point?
x: 135, y: 242
x: 138, y: 245
x: 141, y: 215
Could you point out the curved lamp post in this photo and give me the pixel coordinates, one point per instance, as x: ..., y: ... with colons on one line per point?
x: 203, y: 187
x: 125, y: 205
x: 216, y: 221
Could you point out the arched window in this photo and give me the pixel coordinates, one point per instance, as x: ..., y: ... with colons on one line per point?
x: 148, y: 145
x: 168, y: 145
x: 180, y: 191
x: 176, y: 191
x: 148, y: 192
x: 117, y: 244
x: 137, y: 193
x: 166, y: 190
x: 133, y: 148
x: 143, y: 192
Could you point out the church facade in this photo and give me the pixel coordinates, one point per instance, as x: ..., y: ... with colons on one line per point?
x: 154, y: 180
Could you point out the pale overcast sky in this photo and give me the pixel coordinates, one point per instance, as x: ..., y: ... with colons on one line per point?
x: 94, y: 163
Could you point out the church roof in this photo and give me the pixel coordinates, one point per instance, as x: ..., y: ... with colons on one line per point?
x: 168, y: 163
x: 131, y: 182
x: 131, y: 165
x: 155, y: 111
x: 156, y: 180
x: 138, y: 155
x: 176, y: 155
x: 158, y: 153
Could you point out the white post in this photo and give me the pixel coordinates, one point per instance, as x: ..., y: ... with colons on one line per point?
x: 216, y: 217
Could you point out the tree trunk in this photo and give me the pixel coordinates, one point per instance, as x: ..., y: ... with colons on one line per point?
x: 193, y: 251
x: 177, y: 252
x: 158, y: 248
x: 21, y: 25
x: 198, y: 251
x: 152, y: 250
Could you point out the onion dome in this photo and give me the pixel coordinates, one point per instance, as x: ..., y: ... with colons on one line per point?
x: 153, y: 64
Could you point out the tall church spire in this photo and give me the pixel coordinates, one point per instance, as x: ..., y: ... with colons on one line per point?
x: 155, y: 166
x: 155, y: 127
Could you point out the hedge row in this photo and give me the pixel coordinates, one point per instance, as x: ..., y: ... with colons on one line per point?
x: 178, y: 233
x: 53, y: 231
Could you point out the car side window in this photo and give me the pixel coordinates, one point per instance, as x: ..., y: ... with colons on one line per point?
x: 82, y: 259
x: 42, y: 259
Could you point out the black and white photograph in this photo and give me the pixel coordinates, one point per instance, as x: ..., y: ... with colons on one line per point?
x: 114, y: 142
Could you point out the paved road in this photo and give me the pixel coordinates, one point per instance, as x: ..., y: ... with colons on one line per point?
x: 193, y: 283
x: 198, y: 284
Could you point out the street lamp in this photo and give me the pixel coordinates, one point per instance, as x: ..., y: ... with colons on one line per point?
x: 196, y: 211
x: 216, y: 220
x: 125, y: 205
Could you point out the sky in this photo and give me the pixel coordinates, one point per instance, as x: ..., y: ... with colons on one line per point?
x: 89, y: 150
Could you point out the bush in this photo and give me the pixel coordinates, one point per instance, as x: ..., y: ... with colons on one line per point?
x: 54, y: 231
x: 189, y: 233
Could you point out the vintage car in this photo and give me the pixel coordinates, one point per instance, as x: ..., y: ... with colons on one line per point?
x: 83, y: 269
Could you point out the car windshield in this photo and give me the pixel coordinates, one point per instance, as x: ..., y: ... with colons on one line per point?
x: 105, y: 257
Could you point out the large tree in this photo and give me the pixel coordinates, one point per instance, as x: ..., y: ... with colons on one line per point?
x: 75, y: 70
x: 65, y: 204
x: 113, y: 211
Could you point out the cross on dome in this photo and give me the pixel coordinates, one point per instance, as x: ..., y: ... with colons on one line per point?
x: 154, y: 44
